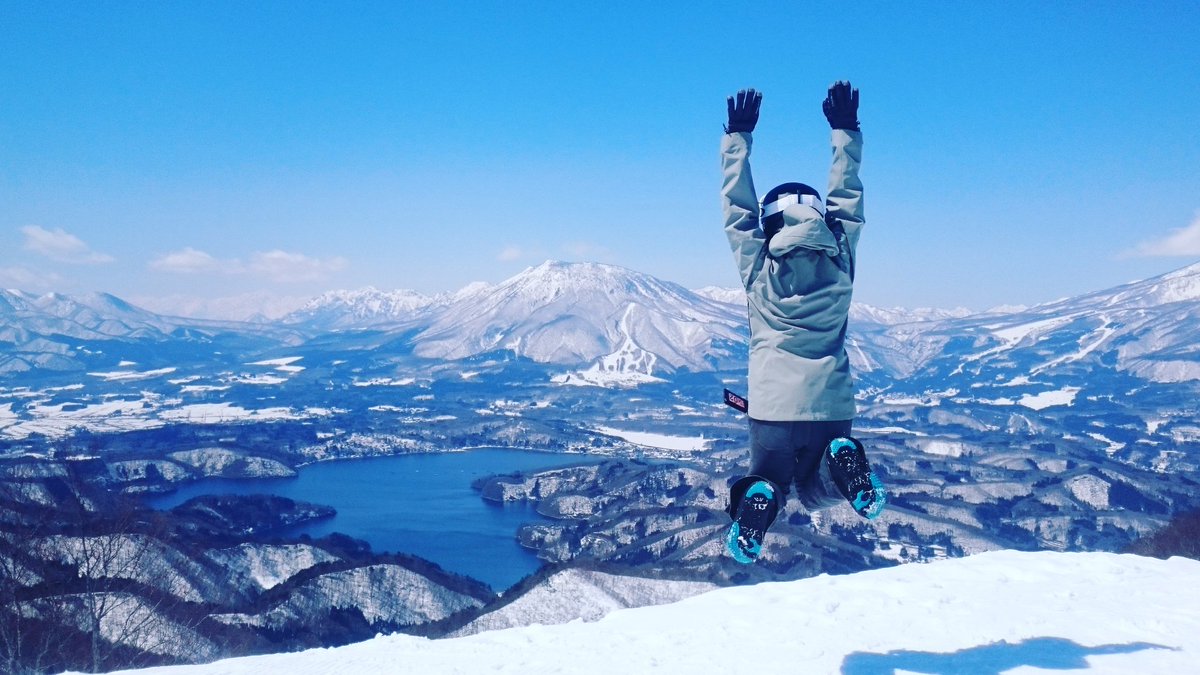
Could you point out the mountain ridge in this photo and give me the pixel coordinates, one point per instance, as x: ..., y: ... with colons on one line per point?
x: 609, y: 324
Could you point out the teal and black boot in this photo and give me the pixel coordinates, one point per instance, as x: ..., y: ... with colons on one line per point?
x: 753, y: 513
x: 854, y: 478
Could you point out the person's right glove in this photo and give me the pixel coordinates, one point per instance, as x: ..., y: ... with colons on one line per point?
x: 743, y: 112
x: 841, y: 107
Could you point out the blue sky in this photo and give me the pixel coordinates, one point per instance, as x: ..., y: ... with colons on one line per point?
x: 180, y: 153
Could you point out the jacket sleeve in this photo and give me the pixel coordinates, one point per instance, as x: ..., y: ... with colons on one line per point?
x: 740, y: 205
x: 845, y: 200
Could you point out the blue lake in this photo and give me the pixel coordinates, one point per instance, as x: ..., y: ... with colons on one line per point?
x: 418, y: 504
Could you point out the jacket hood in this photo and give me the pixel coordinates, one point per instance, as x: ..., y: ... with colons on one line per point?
x: 803, y: 227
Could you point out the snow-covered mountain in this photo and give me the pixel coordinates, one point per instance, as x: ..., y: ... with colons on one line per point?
x: 859, y: 312
x: 1147, y: 329
x: 358, y: 309
x: 729, y: 296
x: 611, y: 320
x: 58, y: 333
x: 41, y: 331
x: 102, y: 316
x: 605, y: 324
x: 587, y: 314
x: 891, y: 316
x: 989, y: 613
x: 95, y: 316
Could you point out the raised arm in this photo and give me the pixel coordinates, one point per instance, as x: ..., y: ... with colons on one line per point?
x: 738, y: 200
x: 845, y: 203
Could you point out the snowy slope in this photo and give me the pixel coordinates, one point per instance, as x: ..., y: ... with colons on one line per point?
x: 1003, y: 611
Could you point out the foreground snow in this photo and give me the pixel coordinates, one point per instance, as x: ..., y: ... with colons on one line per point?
x: 994, y: 612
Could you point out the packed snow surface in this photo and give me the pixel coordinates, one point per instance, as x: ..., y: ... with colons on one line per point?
x: 998, y: 612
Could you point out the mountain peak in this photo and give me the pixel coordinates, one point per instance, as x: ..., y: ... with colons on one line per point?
x: 555, y: 279
x: 577, y: 270
x: 593, y: 313
x: 473, y: 288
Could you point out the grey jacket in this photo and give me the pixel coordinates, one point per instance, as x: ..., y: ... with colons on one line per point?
x: 798, y: 286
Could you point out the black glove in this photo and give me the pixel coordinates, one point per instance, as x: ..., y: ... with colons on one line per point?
x: 841, y: 107
x: 743, y: 113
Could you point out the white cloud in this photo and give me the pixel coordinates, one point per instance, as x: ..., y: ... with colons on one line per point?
x: 62, y: 246
x: 26, y: 279
x: 287, y: 267
x: 186, y: 261
x: 510, y: 253
x: 1184, y: 241
x: 280, y: 266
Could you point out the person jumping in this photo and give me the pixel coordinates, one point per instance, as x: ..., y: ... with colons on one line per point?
x: 796, y: 256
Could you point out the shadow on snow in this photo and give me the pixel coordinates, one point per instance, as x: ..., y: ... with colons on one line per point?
x: 991, y: 659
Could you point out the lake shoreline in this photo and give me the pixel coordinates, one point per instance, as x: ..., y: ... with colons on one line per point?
x: 422, y: 504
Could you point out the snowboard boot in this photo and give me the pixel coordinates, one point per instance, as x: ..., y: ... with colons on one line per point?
x: 852, y: 474
x: 753, y: 511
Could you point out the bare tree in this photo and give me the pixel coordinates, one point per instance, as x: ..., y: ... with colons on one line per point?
x: 128, y: 587
x: 32, y: 631
x: 87, y: 582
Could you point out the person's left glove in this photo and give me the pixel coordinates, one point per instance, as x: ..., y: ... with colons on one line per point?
x: 743, y: 111
x: 841, y: 107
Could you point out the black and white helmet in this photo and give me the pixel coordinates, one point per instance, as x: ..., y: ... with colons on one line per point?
x: 783, y: 196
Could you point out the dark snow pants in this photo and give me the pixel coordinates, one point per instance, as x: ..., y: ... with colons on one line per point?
x: 792, y: 454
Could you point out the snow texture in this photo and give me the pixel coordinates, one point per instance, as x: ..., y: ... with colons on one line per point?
x: 584, y: 595
x: 1003, y: 611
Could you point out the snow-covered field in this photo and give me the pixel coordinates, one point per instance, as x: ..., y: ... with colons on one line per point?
x: 284, y: 365
x: 653, y: 440
x: 117, y: 415
x: 998, y: 612
x: 1046, y: 399
x: 125, y: 375
x: 28, y: 412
